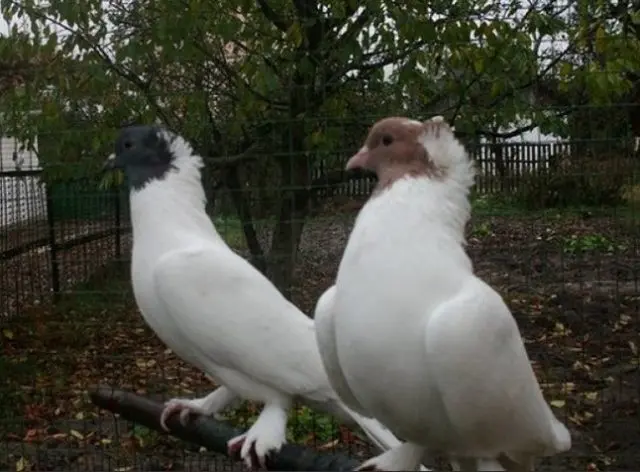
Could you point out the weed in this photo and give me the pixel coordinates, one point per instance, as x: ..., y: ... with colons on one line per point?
x: 304, y: 424
x: 231, y: 231
x: 482, y: 230
x: 144, y: 436
x: 590, y: 243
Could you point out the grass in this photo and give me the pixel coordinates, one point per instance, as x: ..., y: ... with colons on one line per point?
x: 591, y: 243
x: 483, y: 207
x: 489, y: 205
x: 230, y: 228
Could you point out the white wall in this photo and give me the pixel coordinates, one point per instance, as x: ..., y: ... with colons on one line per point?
x: 22, y: 198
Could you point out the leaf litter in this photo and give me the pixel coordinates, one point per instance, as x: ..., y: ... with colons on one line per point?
x: 577, y: 313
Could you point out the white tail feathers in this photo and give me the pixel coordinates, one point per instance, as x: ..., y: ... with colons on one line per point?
x: 383, y: 438
x: 562, y: 437
x: 482, y: 465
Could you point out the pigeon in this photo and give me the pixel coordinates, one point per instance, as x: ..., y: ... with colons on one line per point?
x: 410, y: 336
x: 212, y: 307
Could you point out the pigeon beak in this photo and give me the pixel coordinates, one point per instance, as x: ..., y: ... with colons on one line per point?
x: 110, y: 163
x: 359, y: 159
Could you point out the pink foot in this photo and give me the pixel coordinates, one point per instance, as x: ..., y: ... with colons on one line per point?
x: 185, y: 407
x: 234, y: 450
x: 238, y: 449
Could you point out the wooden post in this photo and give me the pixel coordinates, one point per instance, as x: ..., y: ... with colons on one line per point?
x: 53, y: 245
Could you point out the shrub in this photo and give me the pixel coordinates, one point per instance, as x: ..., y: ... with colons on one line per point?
x: 592, y: 181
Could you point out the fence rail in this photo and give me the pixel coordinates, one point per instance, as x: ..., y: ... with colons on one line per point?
x: 54, y: 219
x: 43, y: 241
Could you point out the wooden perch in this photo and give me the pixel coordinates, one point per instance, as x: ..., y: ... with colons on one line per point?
x: 210, y: 433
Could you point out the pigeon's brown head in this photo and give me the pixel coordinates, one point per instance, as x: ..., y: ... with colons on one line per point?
x: 395, y: 147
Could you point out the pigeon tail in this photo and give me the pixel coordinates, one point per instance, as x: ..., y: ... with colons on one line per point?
x: 381, y: 437
x: 561, y: 437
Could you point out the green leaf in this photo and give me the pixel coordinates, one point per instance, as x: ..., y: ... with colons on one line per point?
x: 295, y: 33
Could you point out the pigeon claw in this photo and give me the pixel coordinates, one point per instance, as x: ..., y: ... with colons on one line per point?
x: 245, y: 449
x: 369, y: 467
x: 400, y: 458
x: 235, y: 448
x: 235, y: 445
x: 174, y: 406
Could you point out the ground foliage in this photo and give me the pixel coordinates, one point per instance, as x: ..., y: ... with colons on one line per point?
x: 570, y: 279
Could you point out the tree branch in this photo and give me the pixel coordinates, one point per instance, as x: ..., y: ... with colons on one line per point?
x: 355, y: 27
x: 305, y: 9
x: 270, y: 64
x: 273, y: 17
x: 513, y: 133
x: 232, y: 76
x: 210, y: 433
x: 99, y: 51
x: 391, y: 58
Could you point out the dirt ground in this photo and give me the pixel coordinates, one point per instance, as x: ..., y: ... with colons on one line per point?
x: 571, y: 281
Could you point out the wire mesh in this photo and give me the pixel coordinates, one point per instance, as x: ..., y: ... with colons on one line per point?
x: 554, y: 226
x: 569, y: 275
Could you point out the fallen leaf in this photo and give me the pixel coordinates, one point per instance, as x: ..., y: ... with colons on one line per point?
x: 22, y: 464
x: 329, y: 445
x: 557, y: 403
x: 592, y: 396
x: 77, y: 434
x: 7, y: 333
x: 30, y: 435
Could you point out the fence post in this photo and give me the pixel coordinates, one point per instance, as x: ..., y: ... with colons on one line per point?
x: 118, y: 218
x: 53, y: 245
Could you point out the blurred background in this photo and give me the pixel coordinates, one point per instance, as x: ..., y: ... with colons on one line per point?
x: 276, y: 95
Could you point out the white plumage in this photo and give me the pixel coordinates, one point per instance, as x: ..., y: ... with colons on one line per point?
x: 410, y: 336
x: 212, y: 307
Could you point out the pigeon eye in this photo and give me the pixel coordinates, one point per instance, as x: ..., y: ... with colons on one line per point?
x: 387, y: 140
x: 128, y: 144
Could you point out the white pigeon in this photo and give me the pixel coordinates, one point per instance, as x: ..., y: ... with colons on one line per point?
x: 409, y: 335
x: 211, y: 306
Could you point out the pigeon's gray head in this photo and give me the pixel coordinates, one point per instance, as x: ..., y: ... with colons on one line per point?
x: 147, y: 153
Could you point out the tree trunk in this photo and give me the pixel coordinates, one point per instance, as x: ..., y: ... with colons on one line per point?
x: 243, y: 208
x: 294, y: 207
x: 286, y: 239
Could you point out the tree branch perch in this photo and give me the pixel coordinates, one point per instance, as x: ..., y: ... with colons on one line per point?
x: 210, y: 433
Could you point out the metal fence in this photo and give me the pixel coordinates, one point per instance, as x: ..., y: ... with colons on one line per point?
x: 64, y: 231
x: 69, y: 320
